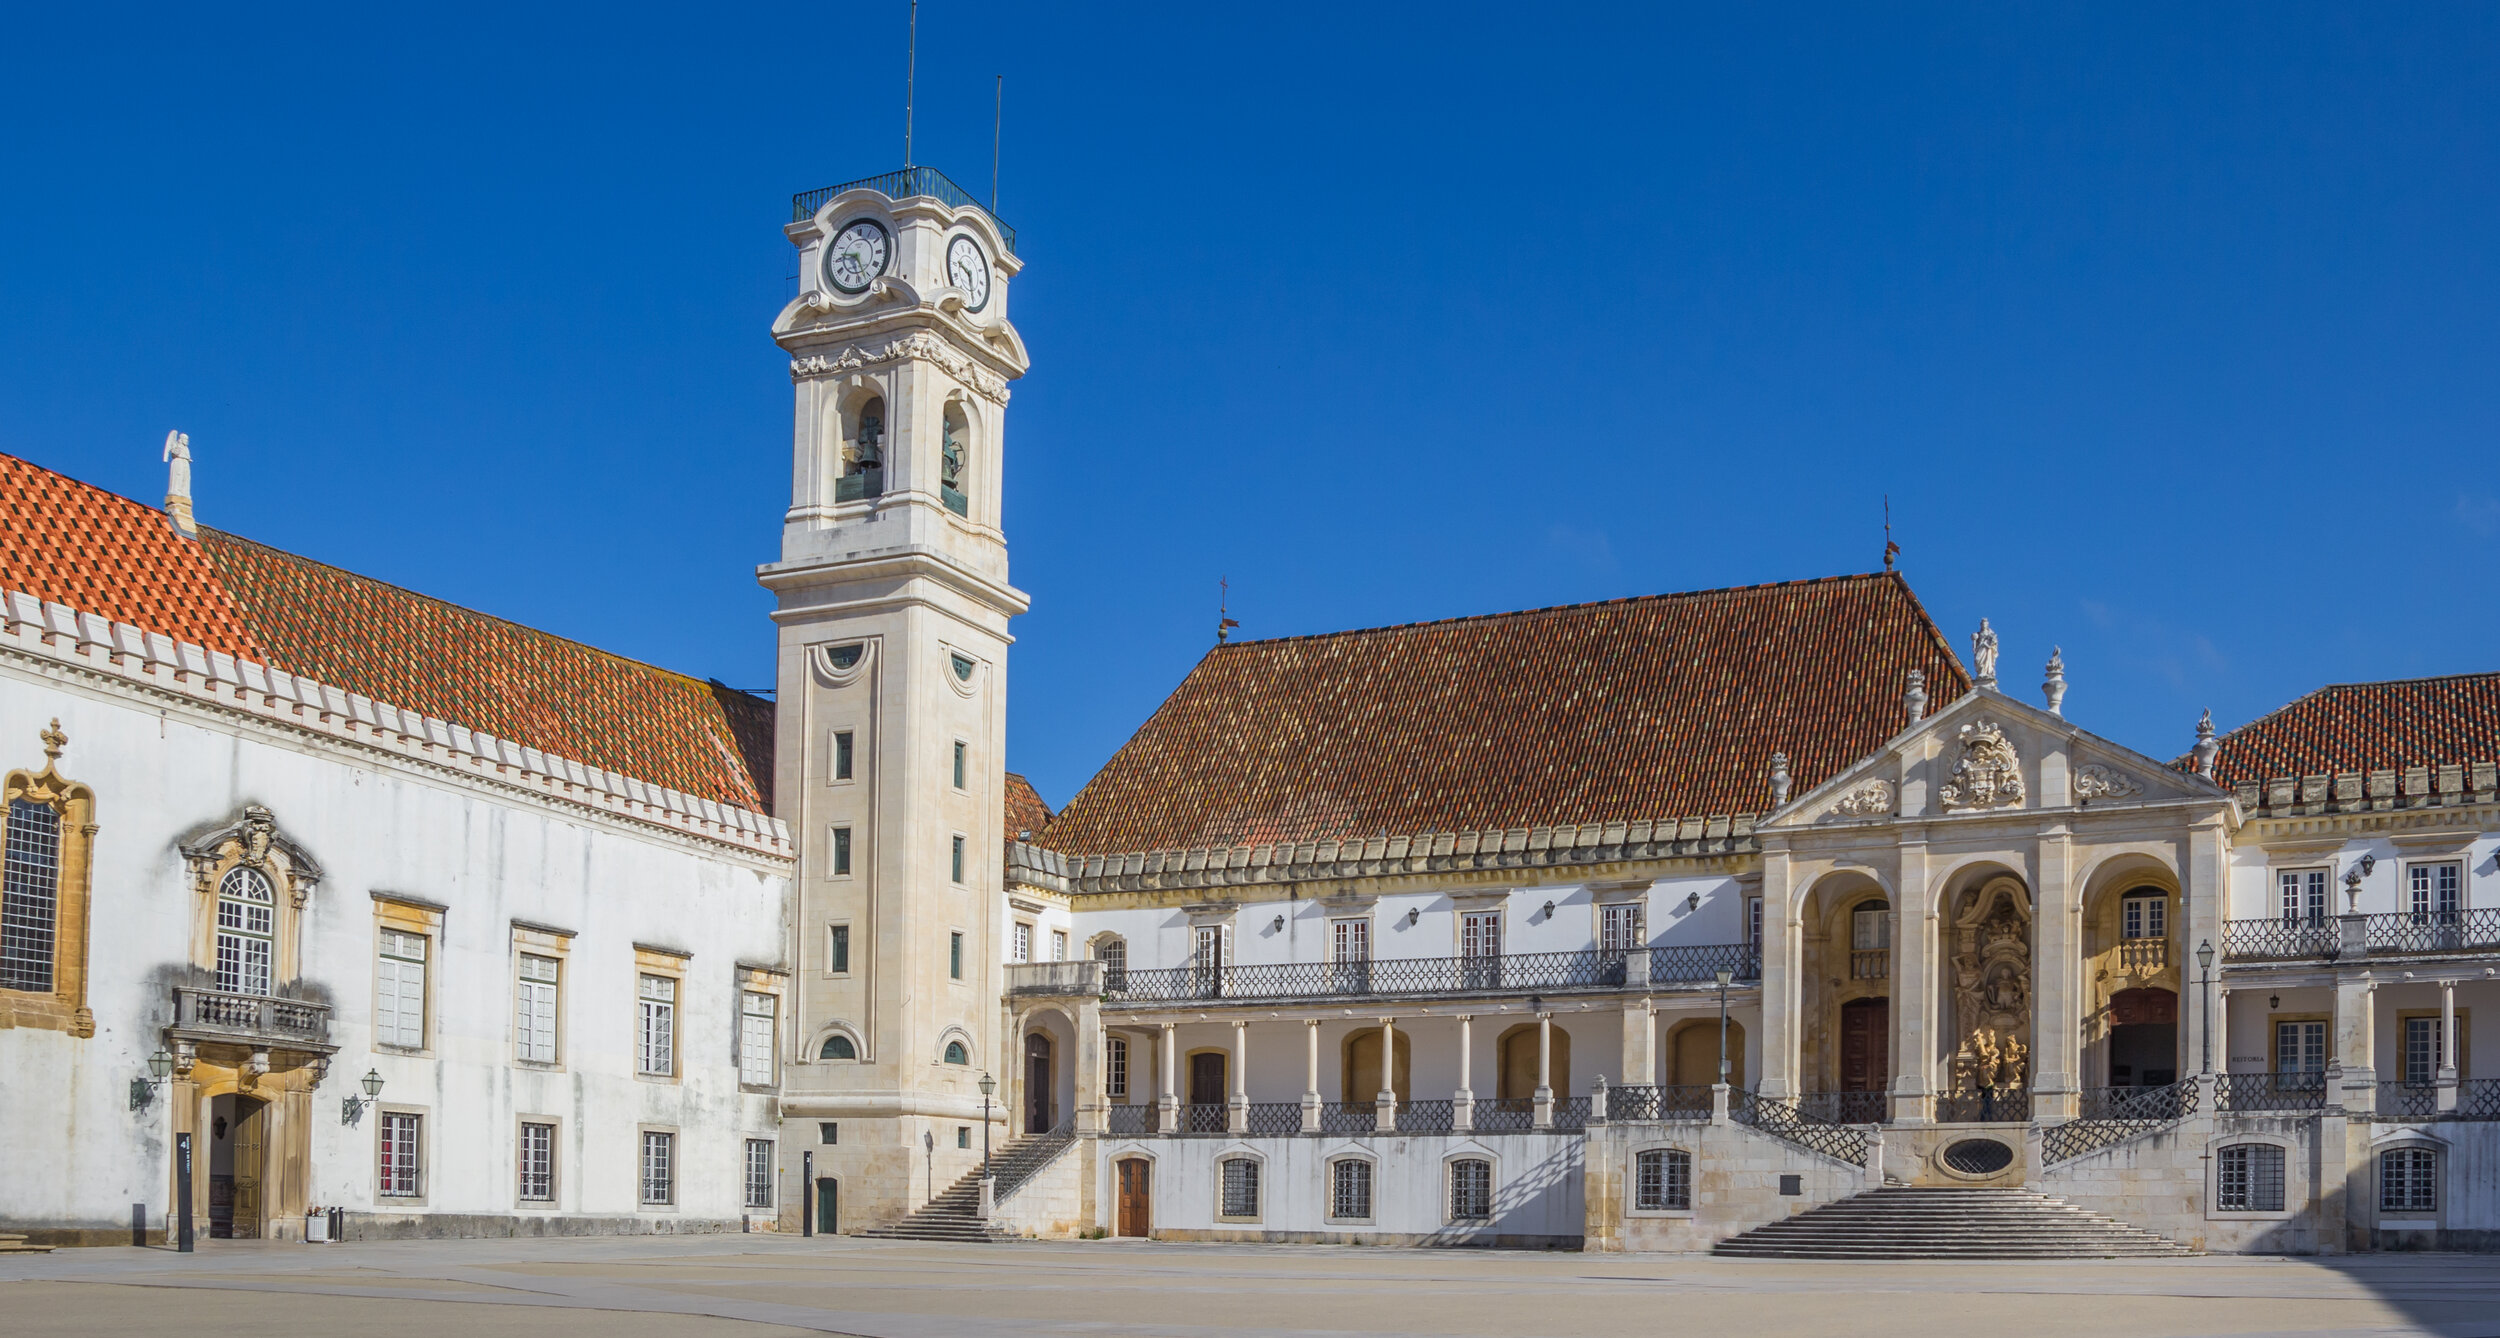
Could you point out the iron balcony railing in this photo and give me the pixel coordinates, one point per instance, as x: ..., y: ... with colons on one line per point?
x: 1783, y: 1120
x: 2434, y: 931
x: 1272, y: 1118
x: 1384, y: 977
x: 1206, y: 1117
x: 256, y: 1019
x: 1983, y: 1107
x: 1637, y: 1102
x: 1135, y: 1121
x: 1846, y: 1107
x: 1426, y: 1117
x: 1349, y: 1117
x: 2269, y: 1091
x: 1571, y: 1114
x: 2408, y: 1101
x: 903, y: 185
x: 2477, y: 1099
x: 2280, y: 940
x: 1504, y: 1115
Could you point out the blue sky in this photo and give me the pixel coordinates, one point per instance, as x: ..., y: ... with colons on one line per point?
x: 2171, y: 334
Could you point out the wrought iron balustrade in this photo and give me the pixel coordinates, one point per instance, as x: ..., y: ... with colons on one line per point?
x: 254, y: 1019
x: 1079, y: 978
x: 1783, y: 1120
x: 1425, y: 1117
x: 2143, y: 956
x: 1846, y: 1107
x: 1571, y: 1114
x: 1504, y: 1115
x: 2143, y: 1105
x: 1206, y: 1117
x: 2269, y: 1091
x: 1701, y: 963
x: 1983, y: 1107
x: 2408, y: 1101
x: 1349, y: 1117
x: 1135, y: 1121
x: 2477, y: 1099
x: 2434, y: 931
x: 1273, y: 1118
x: 902, y: 185
x: 1384, y: 977
x: 1638, y: 1102
x: 2281, y: 939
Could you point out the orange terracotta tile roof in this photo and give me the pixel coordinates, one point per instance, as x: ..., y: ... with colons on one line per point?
x: 65, y: 541
x: 2411, y: 722
x: 1656, y: 707
x: 1025, y: 810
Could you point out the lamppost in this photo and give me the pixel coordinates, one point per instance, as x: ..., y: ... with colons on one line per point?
x: 2205, y: 997
x: 143, y: 1090
x: 1725, y: 976
x: 988, y: 1085
x: 352, y: 1110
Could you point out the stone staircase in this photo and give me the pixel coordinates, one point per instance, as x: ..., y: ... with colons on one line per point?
x: 15, y: 1243
x: 1918, y: 1223
x: 955, y: 1213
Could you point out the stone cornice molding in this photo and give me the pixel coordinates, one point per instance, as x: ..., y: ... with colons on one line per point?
x: 2387, y: 790
x: 122, y: 657
x: 910, y: 345
x: 901, y: 565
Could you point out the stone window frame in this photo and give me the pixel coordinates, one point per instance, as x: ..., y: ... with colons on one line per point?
x: 1631, y: 1178
x: 393, y: 912
x: 668, y: 964
x: 535, y: 940
x: 1471, y: 1151
x: 1259, y: 1187
x: 2461, y: 1061
x: 2411, y: 1140
x: 954, y: 1035
x: 676, y: 1168
x: 1328, y: 1187
x: 2296, y: 1186
x: 838, y: 965
x: 424, y: 1116
x: 555, y: 1164
x: 772, y: 983
x: 64, y: 1007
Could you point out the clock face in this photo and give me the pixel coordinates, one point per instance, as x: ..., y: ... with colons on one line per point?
x: 859, y: 253
x: 969, y: 271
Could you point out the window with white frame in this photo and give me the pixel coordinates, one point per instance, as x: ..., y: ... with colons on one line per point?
x: 656, y: 1052
x: 759, y: 1179
x: 399, y: 991
x: 1212, y: 947
x: 1115, y: 1066
x: 659, y: 1167
x: 1663, y: 1180
x: 1480, y: 934
x: 534, y: 1007
x: 1059, y: 945
x: 2408, y: 1180
x: 246, y: 931
x: 1113, y: 954
x: 1619, y: 926
x: 1471, y: 1190
x: 2435, y: 891
x: 2424, y: 1054
x: 1020, y: 942
x: 1241, y: 1187
x: 2301, y: 894
x: 2248, y: 1178
x: 2300, y: 1047
x: 1870, y: 927
x: 538, y: 1162
x: 1350, y: 940
x: 400, y: 1144
x: 2144, y: 917
x: 1350, y: 1189
x: 755, y: 1038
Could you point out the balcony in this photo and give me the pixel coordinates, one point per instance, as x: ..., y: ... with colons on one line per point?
x: 2280, y: 940
x: 255, y: 1021
x: 1870, y: 963
x: 1589, y: 969
x: 2324, y: 938
x: 2143, y: 956
x: 2434, y: 931
x: 1077, y: 979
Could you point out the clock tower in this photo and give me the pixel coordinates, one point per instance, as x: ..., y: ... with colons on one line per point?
x: 893, y: 603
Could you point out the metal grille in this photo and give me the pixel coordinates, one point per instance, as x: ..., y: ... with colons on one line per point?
x: 759, y: 1173
x: 1241, y: 1187
x: 1425, y: 1117
x: 1978, y: 1156
x: 1783, y: 1120
x: 1589, y: 969
x: 1349, y: 1117
x: 1846, y: 1107
x: 1640, y: 1102
x: 1471, y: 1189
x: 1983, y: 1107
x: 902, y: 185
x: 659, y: 1156
x: 2269, y: 1091
x: 1505, y: 1115
x: 398, y: 1176
x: 1135, y: 1121
x: 2249, y: 1179
x: 2407, y: 1101
x: 2408, y: 1181
x: 2278, y: 940
x: 2478, y: 1099
x: 1571, y: 1114
x: 2435, y: 930
x: 1663, y: 1180
x: 1697, y: 964
x: 30, y: 891
x: 1350, y: 1190
x: 2112, y: 1115
x: 1207, y: 1117
x: 538, y: 1162
x: 1275, y: 1117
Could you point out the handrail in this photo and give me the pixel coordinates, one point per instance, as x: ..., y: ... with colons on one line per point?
x: 1783, y: 1120
x: 903, y: 184
x: 2112, y: 1115
x: 1634, y: 1102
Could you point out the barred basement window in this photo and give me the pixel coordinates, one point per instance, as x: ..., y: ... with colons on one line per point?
x: 538, y: 1163
x: 2408, y: 1181
x: 1471, y: 1189
x: 30, y: 894
x: 1241, y: 1187
x: 759, y: 1173
x: 1663, y: 1181
x: 2249, y: 1179
x: 1350, y: 1190
x: 398, y: 1178
x: 659, y: 1167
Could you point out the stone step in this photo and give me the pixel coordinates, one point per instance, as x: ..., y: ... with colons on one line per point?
x: 14, y: 1242
x: 1931, y: 1223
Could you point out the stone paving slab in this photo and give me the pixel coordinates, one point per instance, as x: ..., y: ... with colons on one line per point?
x: 768, y: 1286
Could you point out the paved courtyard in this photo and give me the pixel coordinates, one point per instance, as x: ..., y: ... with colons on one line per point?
x: 758, y: 1286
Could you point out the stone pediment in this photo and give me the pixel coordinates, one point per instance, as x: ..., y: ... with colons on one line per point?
x: 1988, y: 753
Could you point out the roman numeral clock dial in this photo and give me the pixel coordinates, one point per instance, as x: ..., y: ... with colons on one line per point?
x: 968, y: 270
x: 859, y: 254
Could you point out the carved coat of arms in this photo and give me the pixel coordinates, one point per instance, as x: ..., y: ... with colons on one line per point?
x: 1988, y: 775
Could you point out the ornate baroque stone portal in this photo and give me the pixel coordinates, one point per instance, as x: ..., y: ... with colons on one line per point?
x: 1992, y: 994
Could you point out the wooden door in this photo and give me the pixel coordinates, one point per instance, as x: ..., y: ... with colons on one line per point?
x: 1136, y: 1197
x: 1040, y: 1111
x: 1207, y: 1094
x: 1865, y: 1025
x: 251, y: 1141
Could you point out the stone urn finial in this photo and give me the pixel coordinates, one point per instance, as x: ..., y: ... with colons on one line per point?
x: 2053, y: 686
x: 2207, y: 746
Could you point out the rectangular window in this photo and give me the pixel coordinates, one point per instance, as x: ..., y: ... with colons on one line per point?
x: 1480, y: 934
x: 841, y: 852
x: 957, y: 858
x: 759, y: 1173
x: 657, y: 1052
x: 2303, y: 894
x: 963, y: 1135
x: 838, y: 949
x: 1350, y: 940
x: 2300, y: 1047
x: 1870, y: 928
x: 399, y: 1003
x: 659, y: 1167
x: 1471, y: 1189
x: 841, y: 754
x: 1663, y: 1181
x: 2144, y: 917
x: 1113, y: 954
x: 1350, y: 1190
x: 1753, y: 921
x: 960, y: 751
x: 1212, y: 947
x: 755, y: 1039
x: 538, y: 1163
x: 2249, y: 1179
x: 1021, y: 943
x: 399, y: 1147
x: 1619, y: 926
x: 30, y: 896
x: 2424, y: 1053
x: 2408, y: 1181
x: 534, y: 1008
x: 1241, y: 1187
x: 828, y: 1132
x: 2437, y: 891
x: 955, y: 955
x: 1115, y: 1066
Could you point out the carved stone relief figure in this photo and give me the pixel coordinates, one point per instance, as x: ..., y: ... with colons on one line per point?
x: 1988, y: 775
x: 1992, y: 998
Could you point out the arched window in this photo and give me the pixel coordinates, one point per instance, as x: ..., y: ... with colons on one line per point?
x: 1471, y: 1190
x: 2248, y: 1178
x: 2408, y: 1180
x: 1663, y: 1181
x: 246, y: 931
x: 837, y: 1047
x: 952, y: 445
x: 1113, y: 954
x: 1241, y: 1187
x: 863, y: 460
x: 956, y: 1054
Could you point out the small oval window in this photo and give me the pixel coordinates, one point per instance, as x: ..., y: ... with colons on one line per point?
x: 963, y: 668
x: 844, y: 657
x: 838, y: 1047
x: 1979, y: 1156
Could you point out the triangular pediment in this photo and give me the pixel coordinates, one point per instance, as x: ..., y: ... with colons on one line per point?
x: 1985, y: 752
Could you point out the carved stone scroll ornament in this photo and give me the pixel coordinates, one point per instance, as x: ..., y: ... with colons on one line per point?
x: 2100, y: 782
x: 1988, y: 775
x: 919, y: 344
x: 1876, y: 798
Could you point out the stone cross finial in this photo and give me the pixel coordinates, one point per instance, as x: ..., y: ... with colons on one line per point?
x: 1914, y: 697
x: 1983, y: 654
x: 2206, y: 745
x: 178, y: 484
x: 2054, y: 685
x: 1779, y: 778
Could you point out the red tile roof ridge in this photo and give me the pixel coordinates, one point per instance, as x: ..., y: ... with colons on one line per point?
x: 1555, y: 610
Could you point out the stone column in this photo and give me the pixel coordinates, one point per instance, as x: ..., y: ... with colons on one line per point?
x: 1636, y: 1062
x: 1385, y: 1101
x: 1310, y: 1077
x: 2205, y: 884
x: 1544, y: 1070
x: 1914, y: 994
x: 2447, y: 1046
x: 1779, y: 977
x: 1237, y: 1114
x: 2356, y: 1035
x: 2056, y: 967
x: 1092, y: 1107
x: 1463, y: 1101
x: 1168, y: 1106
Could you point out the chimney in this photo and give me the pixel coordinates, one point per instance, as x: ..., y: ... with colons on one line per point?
x: 178, y: 485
